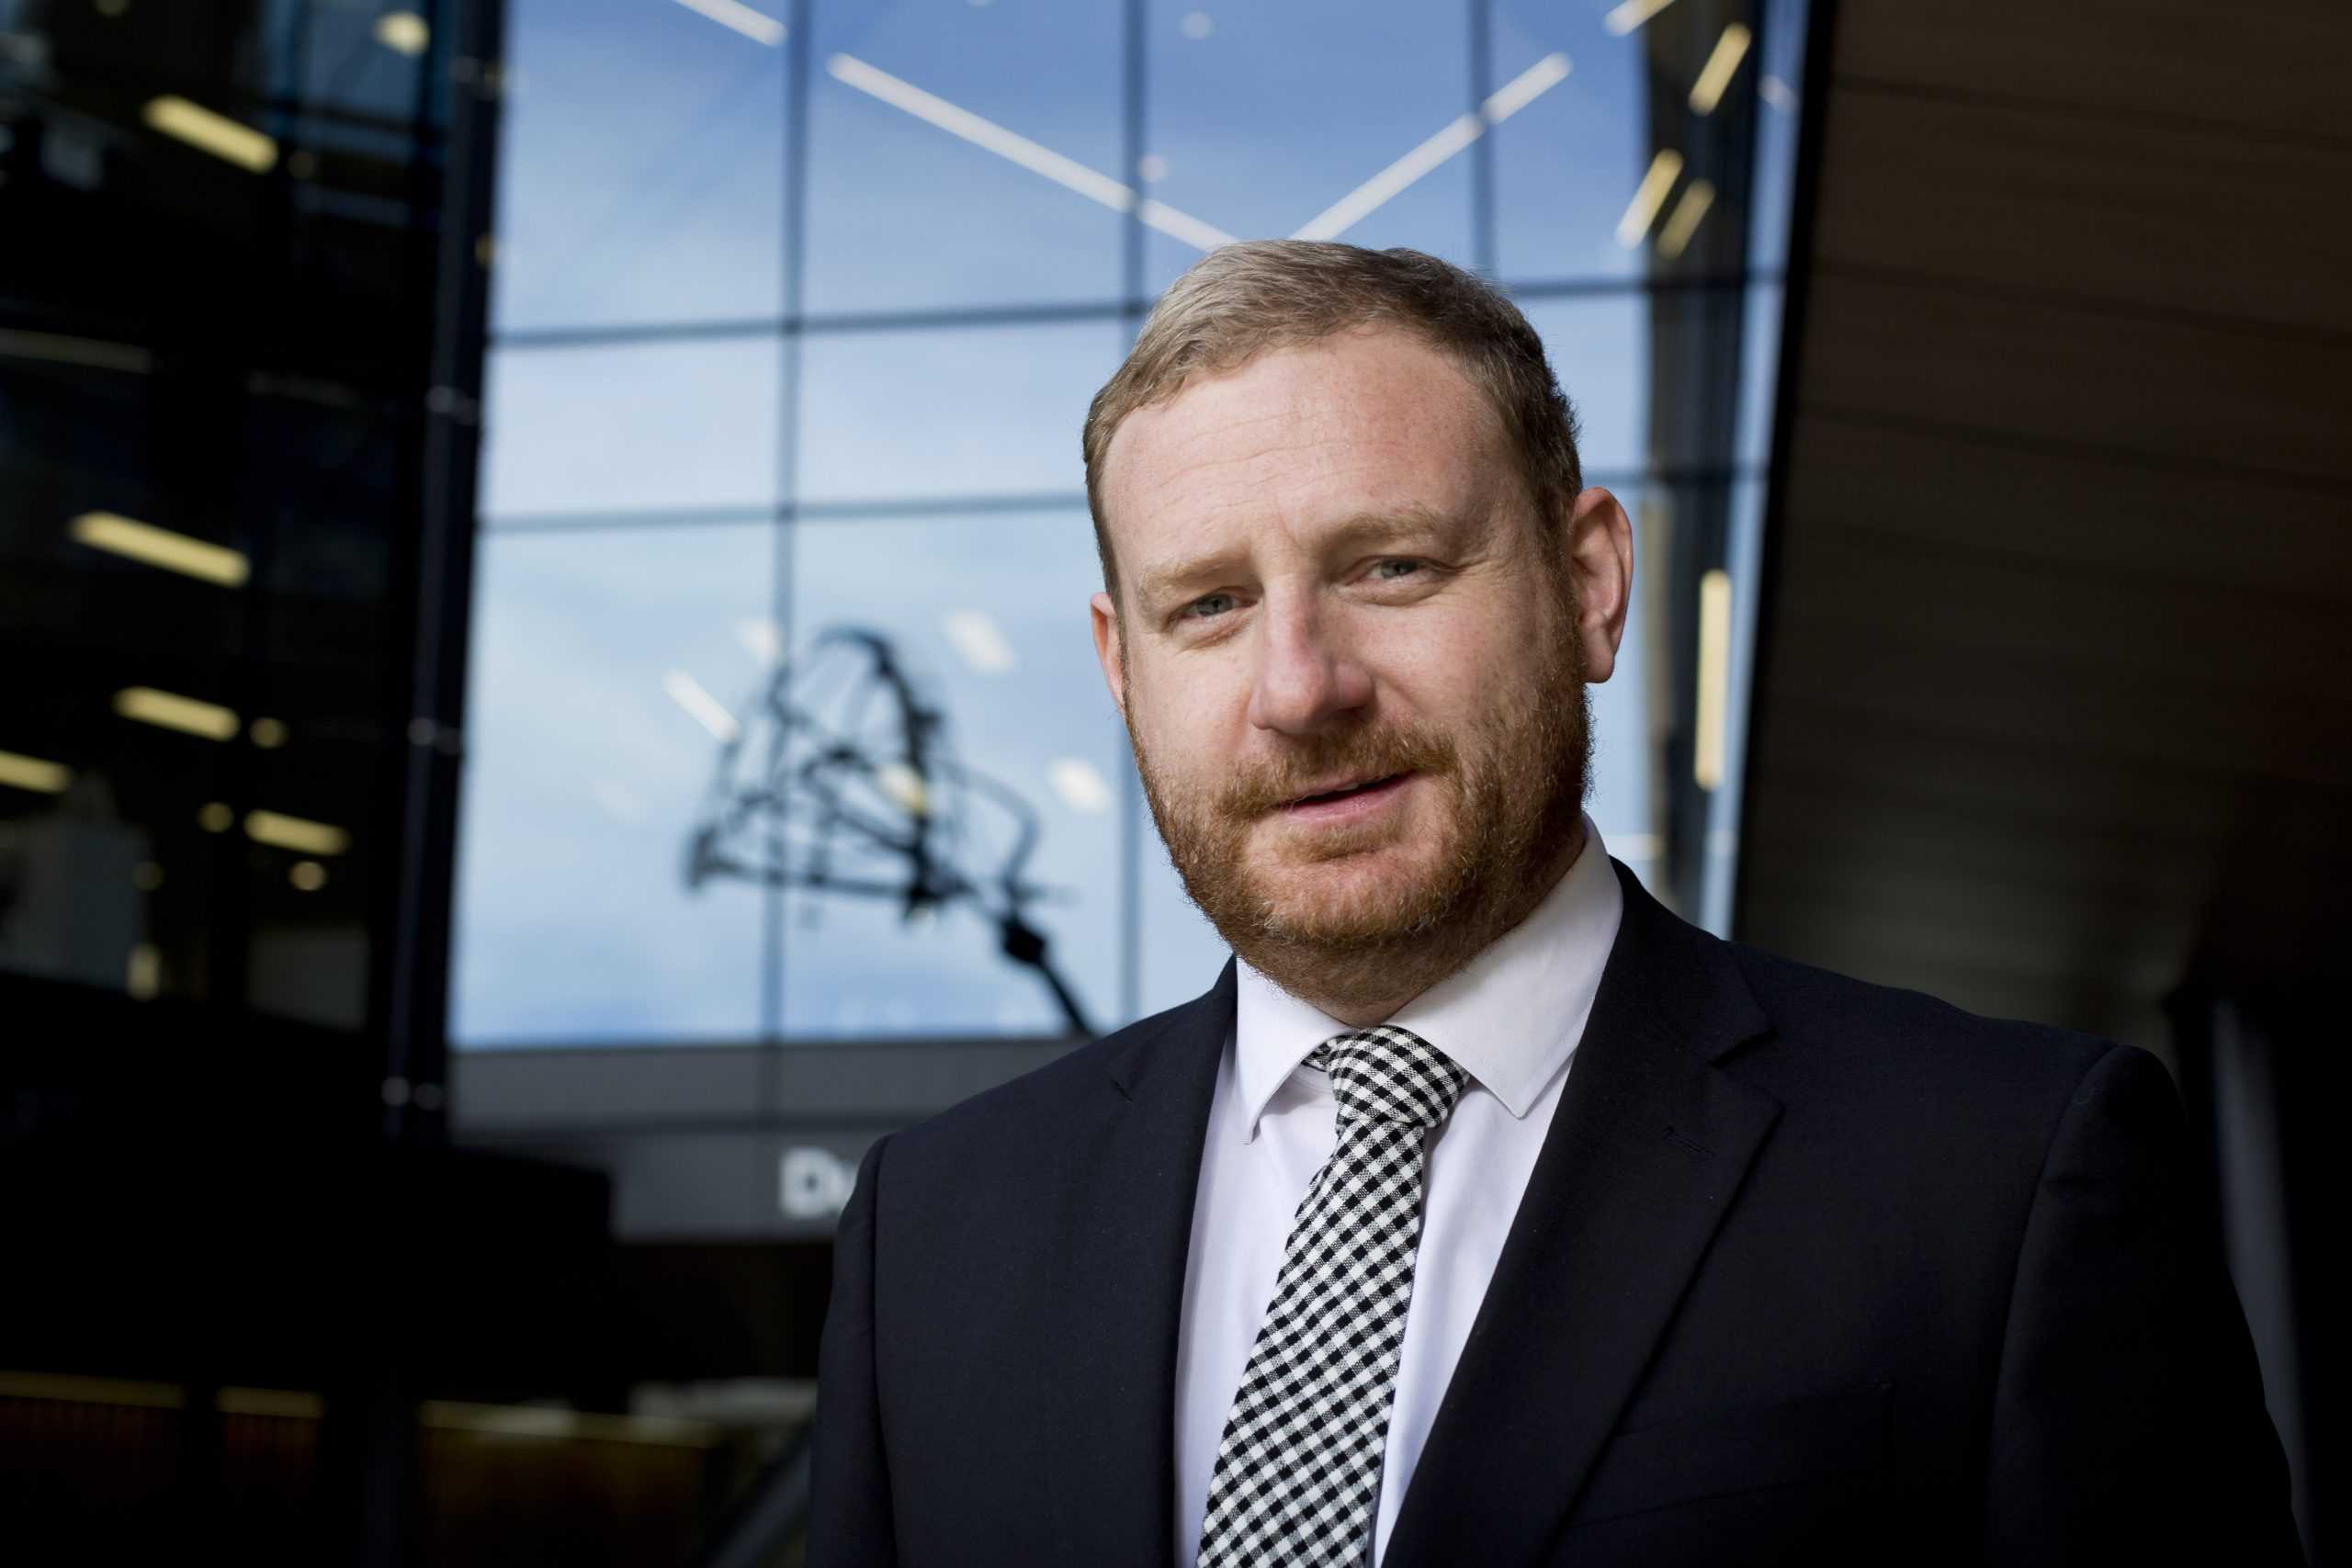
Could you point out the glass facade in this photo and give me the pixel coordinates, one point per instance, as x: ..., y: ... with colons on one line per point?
x: 783, y: 722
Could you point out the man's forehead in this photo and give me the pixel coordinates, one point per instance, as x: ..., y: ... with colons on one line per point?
x: 1371, y: 408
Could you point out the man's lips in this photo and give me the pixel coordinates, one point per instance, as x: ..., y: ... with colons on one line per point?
x: 1343, y: 794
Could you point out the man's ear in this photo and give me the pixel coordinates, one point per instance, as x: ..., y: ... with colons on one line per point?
x: 1107, y: 649
x: 1598, y: 543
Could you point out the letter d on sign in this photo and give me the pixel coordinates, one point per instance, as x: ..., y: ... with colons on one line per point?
x: 814, y: 1184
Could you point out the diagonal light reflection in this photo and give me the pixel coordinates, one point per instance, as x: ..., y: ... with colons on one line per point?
x: 1503, y: 103
x: 986, y: 134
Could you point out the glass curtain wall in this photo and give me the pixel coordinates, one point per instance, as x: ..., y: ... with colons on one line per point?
x: 783, y: 722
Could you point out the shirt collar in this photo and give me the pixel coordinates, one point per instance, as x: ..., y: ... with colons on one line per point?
x: 1511, y: 1017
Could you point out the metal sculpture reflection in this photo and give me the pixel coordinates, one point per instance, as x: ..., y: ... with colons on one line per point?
x: 845, y: 781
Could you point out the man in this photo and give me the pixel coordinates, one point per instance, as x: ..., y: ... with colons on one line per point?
x: 1483, y: 1212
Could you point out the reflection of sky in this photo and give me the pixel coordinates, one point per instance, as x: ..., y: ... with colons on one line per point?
x: 645, y: 426
x: 1032, y: 698
x: 582, y: 777
x: 986, y: 410
x: 642, y: 185
x: 641, y: 168
x: 903, y: 217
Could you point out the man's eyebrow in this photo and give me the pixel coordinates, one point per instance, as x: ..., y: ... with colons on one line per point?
x: 1364, y: 528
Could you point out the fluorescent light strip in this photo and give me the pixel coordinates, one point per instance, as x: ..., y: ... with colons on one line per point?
x: 1697, y: 196
x: 169, y: 710
x: 145, y: 543
x: 1716, y: 74
x: 1342, y: 214
x: 1631, y: 15
x: 59, y: 349
x: 1526, y: 87
x: 281, y: 831
x: 704, y: 708
x: 30, y: 773
x: 962, y: 123
x: 753, y: 25
x: 1714, y: 676
x: 1642, y: 211
x: 1359, y: 203
x: 215, y: 133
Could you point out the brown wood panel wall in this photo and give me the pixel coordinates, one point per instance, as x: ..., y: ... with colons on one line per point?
x: 2056, y: 672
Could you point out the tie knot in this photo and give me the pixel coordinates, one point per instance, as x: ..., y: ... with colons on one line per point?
x: 1385, y: 1074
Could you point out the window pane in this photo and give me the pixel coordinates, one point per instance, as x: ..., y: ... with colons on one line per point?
x: 641, y: 165
x: 1599, y: 349
x: 1568, y: 163
x: 602, y: 660
x: 1264, y: 118
x: 646, y: 427
x: 906, y: 215
x: 984, y: 619
x: 985, y: 410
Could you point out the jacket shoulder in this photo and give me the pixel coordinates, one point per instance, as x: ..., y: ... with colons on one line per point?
x: 1044, y: 1096
x: 1829, y: 1028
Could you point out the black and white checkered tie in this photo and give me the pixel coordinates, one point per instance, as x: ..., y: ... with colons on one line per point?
x: 1299, y: 1464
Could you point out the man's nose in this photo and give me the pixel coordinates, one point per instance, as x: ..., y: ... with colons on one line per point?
x: 1307, y: 678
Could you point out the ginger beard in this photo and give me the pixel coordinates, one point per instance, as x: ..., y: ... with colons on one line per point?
x: 1351, y: 917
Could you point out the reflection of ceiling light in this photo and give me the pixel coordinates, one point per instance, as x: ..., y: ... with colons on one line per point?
x: 1151, y: 167
x: 1078, y: 784
x: 1068, y: 173
x: 61, y: 350
x: 189, y: 716
x: 160, y: 546
x: 1697, y: 196
x: 1514, y: 96
x: 762, y: 638
x: 33, y: 773
x: 1642, y: 211
x: 616, y: 799
x: 1634, y: 846
x: 705, y: 709
x: 1525, y: 88
x: 269, y: 734
x: 403, y: 32
x: 297, y: 834
x: 1716, y: 74
x: 214, y: 133
x: 1197, y: 25
x: 752, y: 25
x: 905, y: 785
x: 1715, y: 677
x: 977, y: 638
x: 1775, y: 92
x: 214, y: 817
x: 308, y: 875
x: 1631, y: 15
x: 147, y: 876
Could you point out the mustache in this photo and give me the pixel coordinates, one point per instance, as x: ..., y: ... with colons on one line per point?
x: 1314, y: 760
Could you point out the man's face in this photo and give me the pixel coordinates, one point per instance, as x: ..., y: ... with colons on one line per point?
x: 1351, y: 658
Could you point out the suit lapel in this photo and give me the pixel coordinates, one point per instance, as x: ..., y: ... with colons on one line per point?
x: 1647, y: 1152
x: 1113, y: 1334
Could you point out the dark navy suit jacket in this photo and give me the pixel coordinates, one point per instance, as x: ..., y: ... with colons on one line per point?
x: 1809, y: 1271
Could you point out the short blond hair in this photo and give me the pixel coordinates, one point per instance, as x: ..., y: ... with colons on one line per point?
x: 1243, y: 299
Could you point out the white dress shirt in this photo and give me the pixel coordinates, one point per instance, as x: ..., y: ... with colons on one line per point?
x: 1511, y: 1019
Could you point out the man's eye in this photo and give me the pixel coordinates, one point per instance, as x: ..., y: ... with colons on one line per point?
x: 1209, y: 604
x: 1399, y: 567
